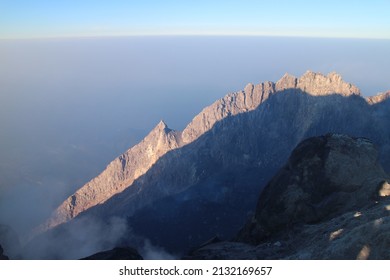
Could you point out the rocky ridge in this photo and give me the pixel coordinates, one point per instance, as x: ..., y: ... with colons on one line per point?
x: 252, y: 96
x: 124, y: 170
x: 210, y: 184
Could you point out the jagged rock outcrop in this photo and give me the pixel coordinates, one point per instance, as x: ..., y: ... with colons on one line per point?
x: 119, y: 253
x: 330, y: 201
x: 318, y: 84
x: 212, y: 172
x: 378, y: 98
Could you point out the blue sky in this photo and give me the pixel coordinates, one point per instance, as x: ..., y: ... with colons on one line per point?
x: 332, y: 18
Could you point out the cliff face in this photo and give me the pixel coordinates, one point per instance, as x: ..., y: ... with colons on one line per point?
x: 213, y: 170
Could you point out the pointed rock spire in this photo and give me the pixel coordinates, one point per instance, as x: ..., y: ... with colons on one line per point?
x: 161, y: 125
x: 286, y: 82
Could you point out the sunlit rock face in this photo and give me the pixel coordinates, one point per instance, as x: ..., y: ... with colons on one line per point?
x: 378, y: 98
x: 252, y: 96
x: 119, y: 174
x: 318, y: 84
x: 212, y: 171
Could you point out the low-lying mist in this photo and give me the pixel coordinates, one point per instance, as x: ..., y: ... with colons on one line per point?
x: 86, y: 236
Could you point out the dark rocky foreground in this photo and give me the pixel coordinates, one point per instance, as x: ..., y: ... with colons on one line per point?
x: 9, y: 241
x: 125, y: 253
x: 330, y: 201
x: 2, y: 256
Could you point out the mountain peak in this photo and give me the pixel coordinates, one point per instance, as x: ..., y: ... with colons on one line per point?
x: 160, y: 126
x: 286, y: 82
x: 118, y: 175
x: 318, y: 84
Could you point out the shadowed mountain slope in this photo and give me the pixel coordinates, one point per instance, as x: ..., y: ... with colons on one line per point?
x: 207, y: 178
x: 122, y: 172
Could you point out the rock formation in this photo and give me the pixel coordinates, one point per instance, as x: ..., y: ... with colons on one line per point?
x: 122, y: 172
x: 323, y: 178
x: 253, y: 95
x: 213, y: 171
x: 378, y: 98
x: 330, y: 201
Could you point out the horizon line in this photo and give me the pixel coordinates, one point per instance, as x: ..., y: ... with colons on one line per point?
x: 91, y: 36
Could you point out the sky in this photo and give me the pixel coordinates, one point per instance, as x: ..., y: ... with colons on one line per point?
x: 79, y: 18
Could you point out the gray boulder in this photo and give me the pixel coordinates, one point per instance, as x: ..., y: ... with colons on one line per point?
x: 324, y: 177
